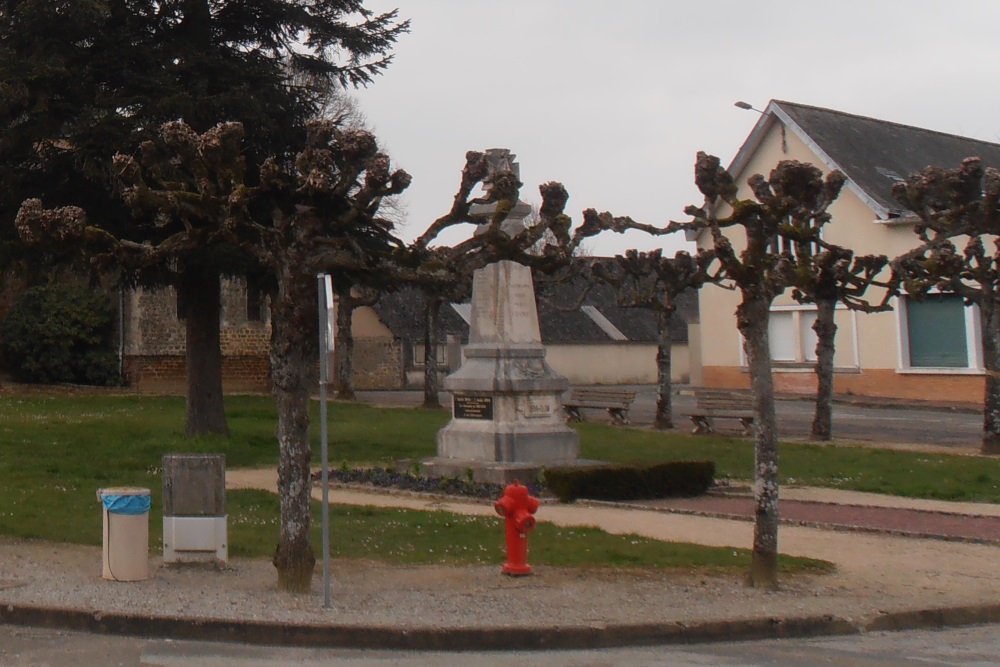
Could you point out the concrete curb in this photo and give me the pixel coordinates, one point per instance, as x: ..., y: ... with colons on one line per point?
x: 594, y: 636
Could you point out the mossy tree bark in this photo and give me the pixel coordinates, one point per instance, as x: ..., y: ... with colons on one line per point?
x: 431, y: 376
x: 825, y: 327
x: 344, y: 356
x: 294, y: 351
x: 989, y: 318
x: 752, y: 320
x: 664, y: 409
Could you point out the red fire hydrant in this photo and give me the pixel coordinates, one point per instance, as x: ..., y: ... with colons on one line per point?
x: 517, y: 508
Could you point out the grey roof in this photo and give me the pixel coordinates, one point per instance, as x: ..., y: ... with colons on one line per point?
x: 560, y: 320
x: 637, y: 324
x: 402, y: 312
x: 872, y: 153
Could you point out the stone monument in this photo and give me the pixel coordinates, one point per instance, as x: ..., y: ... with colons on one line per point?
x: 507, y: 417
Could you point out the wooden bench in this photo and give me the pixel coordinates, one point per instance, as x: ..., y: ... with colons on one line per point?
x: 616, y: 401
x: 712, y: 404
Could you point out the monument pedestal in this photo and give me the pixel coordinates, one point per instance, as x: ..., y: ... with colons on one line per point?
x: 507, y: 416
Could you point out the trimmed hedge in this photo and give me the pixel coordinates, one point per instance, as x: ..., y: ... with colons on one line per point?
x: 670, y: 479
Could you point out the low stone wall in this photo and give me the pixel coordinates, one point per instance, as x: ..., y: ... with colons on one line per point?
x: 167, y: 373
x: 377, y: 365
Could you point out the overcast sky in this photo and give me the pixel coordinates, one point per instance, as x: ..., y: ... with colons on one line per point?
x: 615, y: 98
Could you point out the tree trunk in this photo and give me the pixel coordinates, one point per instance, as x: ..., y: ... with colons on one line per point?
x: 199, y: 289
x: 664, y: 416
x: 294, y: 351
x: 345, y: 345
x: 430, y: 354
x: 989, y: 318
x: 752, y: 319
x: 826, y: 332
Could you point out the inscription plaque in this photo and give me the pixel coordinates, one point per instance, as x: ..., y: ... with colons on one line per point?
x: 473, y: 407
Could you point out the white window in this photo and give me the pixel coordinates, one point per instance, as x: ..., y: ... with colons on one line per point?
x: 781, y: 245
x: 939, y: 332
x: 418, y: 355
x: 791, y: 335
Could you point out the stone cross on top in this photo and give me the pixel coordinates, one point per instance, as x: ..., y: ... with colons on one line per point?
x: 501, y: 160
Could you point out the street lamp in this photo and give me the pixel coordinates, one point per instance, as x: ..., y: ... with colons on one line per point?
x: 746, y: 106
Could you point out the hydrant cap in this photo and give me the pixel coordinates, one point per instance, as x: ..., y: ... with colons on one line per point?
x: 516, y: 490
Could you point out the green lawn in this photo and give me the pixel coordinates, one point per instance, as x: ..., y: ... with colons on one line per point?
x: 55, y: 452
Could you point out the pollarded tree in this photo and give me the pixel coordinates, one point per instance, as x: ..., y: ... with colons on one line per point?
x: 314, y: 214
x: 650, y: 280
x: 82, y: 81
x: 960, y: 207
x: 794, y: 192
x: 826, y: 275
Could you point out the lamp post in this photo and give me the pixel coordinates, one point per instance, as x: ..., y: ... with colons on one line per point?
x: 746, y: 106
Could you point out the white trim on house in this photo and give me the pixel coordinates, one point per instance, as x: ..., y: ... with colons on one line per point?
x: 828, y: 162
x: 606, y: 326
x: 464, y: 311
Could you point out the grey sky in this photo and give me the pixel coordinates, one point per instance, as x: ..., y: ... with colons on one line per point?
x: 614, y: 98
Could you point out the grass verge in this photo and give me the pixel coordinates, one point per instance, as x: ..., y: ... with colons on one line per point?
x: 55, y: 452
x: 413, y: 537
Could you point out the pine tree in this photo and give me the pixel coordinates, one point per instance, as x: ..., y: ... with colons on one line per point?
x: 80, y: 82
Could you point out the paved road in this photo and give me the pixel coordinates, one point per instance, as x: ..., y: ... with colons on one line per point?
x: 968, y: 647
x: 852, y: 421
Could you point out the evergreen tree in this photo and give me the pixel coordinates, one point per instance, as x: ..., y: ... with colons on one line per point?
x: 81, y: 81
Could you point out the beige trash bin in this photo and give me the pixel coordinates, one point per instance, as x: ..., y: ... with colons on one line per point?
x: 126, y: 533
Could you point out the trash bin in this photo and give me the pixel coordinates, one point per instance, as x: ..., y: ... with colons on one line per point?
x: 126, y: 533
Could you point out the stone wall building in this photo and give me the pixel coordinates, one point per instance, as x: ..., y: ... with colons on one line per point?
x: 154, y: 338
x: 597, y: 342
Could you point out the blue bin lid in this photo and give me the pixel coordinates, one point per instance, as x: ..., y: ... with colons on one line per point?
x: 125, y: 500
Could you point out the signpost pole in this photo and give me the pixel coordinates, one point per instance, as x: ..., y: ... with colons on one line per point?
x: 325, y: 307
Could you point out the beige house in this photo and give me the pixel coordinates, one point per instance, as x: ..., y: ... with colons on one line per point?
x: 921, y: 349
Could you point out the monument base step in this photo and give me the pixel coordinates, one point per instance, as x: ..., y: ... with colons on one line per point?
x: 495, y: 472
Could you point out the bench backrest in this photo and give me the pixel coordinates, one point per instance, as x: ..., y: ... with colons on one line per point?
x: 610, y: 395
x: 721, y: 399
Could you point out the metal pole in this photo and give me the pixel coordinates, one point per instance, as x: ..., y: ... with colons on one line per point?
x: 324, y: 362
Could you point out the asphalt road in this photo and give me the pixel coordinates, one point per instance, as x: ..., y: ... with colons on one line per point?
x: 963, y: 646
x: 855, y: 422
x: 916, y: 424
